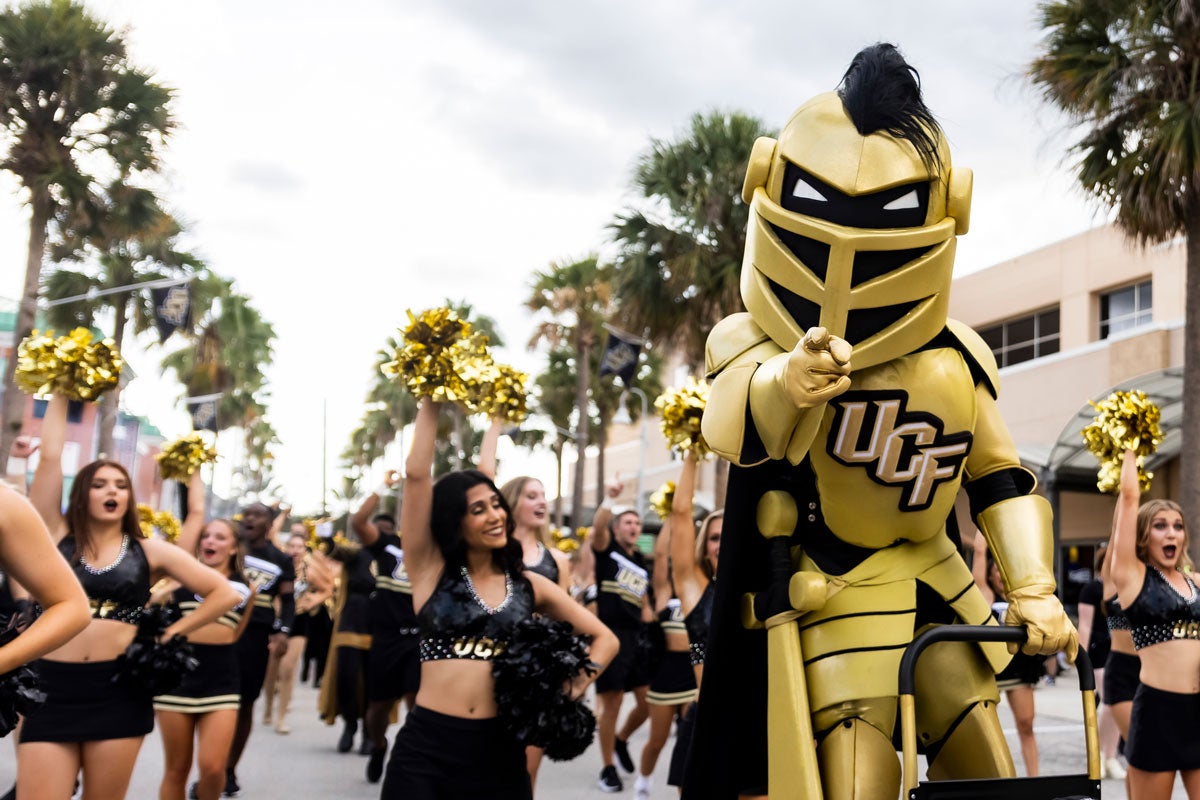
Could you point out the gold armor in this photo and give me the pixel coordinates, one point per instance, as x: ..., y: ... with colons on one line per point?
x: 846, y: 367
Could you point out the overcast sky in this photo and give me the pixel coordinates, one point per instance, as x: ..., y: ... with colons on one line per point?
x: 346, y: 165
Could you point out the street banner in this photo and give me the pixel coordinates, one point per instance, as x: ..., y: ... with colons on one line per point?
x: 621, y: 352
x: 172, y: 307
x: 204, y: 411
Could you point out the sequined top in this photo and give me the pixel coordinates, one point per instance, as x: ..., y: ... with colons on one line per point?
x: 546, y: 566
x: 455, y: 622
x: 188, y: 602
x: 698, y: 621
x: 1117, y: 621
x: 1161, y: 614
x: 117, y: 591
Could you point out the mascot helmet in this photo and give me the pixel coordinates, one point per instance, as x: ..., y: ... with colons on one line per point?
x: 853, y: 216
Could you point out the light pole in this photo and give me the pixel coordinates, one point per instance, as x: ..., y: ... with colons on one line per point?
x: 622, y: 418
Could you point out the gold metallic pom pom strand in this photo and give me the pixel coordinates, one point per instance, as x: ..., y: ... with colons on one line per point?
x: 681, y: 410
x: 179, y: 459
x: 1124, y: 421
x: 424, y: 361
x: 75, y: 366
x: 662, y: 498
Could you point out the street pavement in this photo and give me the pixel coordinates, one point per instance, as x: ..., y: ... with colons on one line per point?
x: 305, y: 764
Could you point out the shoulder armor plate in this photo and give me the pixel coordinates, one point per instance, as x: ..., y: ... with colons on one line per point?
x: 728, y: 339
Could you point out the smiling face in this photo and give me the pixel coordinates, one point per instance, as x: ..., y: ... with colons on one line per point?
x: 218, y: 545
x: 484, y: 526
x: 530, y: 508
x: 108, y: 495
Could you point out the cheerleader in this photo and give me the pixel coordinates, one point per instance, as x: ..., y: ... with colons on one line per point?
x: 469, y: 590
x: 673, y: 685
x: 342, y: 690
x: 91, y: 719
x: 694, y: 559
x: 202, y: 711
x: 1022, y: 674
x: 312, y: 587
x: 1162, y: 605
x: 393, y: 670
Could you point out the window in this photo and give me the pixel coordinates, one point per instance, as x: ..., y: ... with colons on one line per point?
x: 1125, y: 308
x: 74, y: 410
x: 1023, y: 339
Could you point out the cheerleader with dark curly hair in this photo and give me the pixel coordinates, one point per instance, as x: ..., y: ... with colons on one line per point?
x: 470, y: 592
x: 92, y: 720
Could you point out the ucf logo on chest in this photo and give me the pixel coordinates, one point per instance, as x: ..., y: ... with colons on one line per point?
x: 876, y: 432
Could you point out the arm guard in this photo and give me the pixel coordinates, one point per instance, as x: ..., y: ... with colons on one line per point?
x: 287, y: 613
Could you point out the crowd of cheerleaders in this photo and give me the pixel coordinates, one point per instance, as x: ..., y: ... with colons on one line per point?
x: 257, y: 604
x: 418, y: 620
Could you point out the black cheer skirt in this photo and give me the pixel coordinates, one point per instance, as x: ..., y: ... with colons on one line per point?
x: 674, y: 681
x: 213, y: 686
x: 85, y: 704
x: 1163, y: 734
x: 393, y: 666
x: 1121, y: 678
x: 440, y: 757
x: 1023, y: 670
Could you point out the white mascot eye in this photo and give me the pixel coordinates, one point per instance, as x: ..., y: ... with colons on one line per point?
x: 908, y: 200
x: 805, y: 192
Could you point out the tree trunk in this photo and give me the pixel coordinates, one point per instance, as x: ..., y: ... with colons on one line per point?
x: 14, y: 399
x: 582, y: 360
x: 1189, y: 451
x: 602, y: 446
x: 460, y: 449
x: 558, y: 459
x: 110, y: 401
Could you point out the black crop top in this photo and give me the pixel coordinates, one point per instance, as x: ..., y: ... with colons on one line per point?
x: 1160, y: 613
x: 546, y: 566
x: 117, y: 591
x: 1117, y: 621
x: 456, y: 623
x: 671, y: 617
x: 697, y: 622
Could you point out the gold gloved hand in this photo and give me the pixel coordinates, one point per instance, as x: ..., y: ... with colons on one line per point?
x: 817, y: 369
x: 1042, y: 614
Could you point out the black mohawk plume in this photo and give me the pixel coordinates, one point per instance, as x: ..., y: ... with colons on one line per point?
x: 882, y: 92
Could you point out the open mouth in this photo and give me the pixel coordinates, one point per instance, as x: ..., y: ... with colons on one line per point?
x: 1169, y: 551
x: 110, y: 505
x: 208, y: 552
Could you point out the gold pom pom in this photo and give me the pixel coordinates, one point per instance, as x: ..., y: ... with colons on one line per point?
x: 1124, y: 421
x: 146, y: 519
x: 179, y: 459
x: 581, y: 533
x: 425, y: 359
x: 74, y: 366
x: 164, y: 522
x: 505, y: 396
x: 681, y: 410
x: 661, y: 499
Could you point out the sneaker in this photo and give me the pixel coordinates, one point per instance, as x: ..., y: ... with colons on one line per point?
x: 365, y: 748
x: 282, y: 728
x: 609, y: 782
x: 231, y: 785
x: 642, y: 787
x: 621, y: 750
x: 1113, y: 769
x: 194, y: 792
x: 375, y: 763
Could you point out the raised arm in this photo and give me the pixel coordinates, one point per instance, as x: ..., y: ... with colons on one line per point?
x: 690, y: 582
x: 360, y: 520
x: 487, y: 448
x: 45, y: 492
x: 1126, y: 568
x: 193, y: 523
x: 421, y: 556
x: 30, y: 558
x: 601, y: 535
x: 662, y: 567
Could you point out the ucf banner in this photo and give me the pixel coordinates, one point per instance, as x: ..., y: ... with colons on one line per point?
x: 621, y: 353
x: 204, y: 411
x: 172, y: 307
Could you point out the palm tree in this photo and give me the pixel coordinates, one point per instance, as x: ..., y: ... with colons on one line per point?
x: 1125, y: 72
x: 123, y: 237
x: 70, y: 101
x: 576, y: 297
x: 681, y: 256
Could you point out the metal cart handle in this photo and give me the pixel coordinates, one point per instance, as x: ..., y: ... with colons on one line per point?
x: 982, y: 633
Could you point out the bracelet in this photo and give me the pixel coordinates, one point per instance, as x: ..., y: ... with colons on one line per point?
x: 593, y: 666
x: 607, y: 503
x: 383, y: 490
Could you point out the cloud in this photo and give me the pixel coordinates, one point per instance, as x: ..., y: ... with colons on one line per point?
x: 266, y: 177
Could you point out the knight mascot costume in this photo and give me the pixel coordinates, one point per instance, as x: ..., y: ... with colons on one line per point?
x: 853, y: 411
